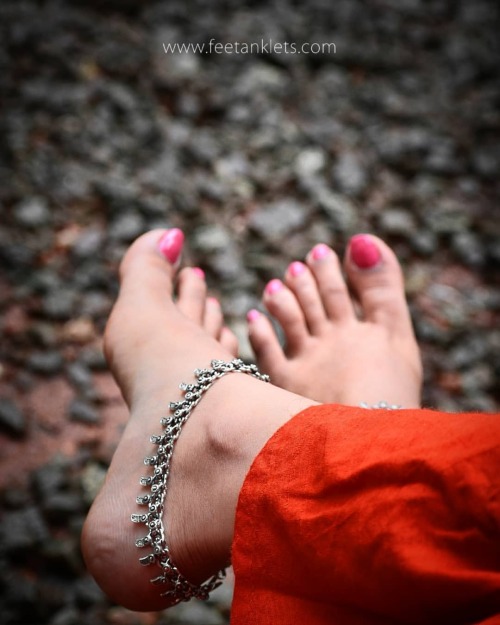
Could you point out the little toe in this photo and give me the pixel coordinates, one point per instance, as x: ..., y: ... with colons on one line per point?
x: 376, y: 277
x: 192, y: 290
x: 300, y: 280
x: 264, y: 342
x: 213, y: 319
x: 325, y: 266
x: 283, y: 305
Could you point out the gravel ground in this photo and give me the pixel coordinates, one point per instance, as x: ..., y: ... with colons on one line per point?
x: 257, y: 157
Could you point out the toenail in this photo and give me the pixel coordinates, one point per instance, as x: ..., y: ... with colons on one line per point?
x: 320, y: 251
x: 199, y: 272
x: 170, y: 245
x: 296, y: 268
x: 273, y: 287
x: 364, y: 252
x: 252, y: 315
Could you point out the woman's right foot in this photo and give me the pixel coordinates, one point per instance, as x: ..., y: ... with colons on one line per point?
x: 341, y: 349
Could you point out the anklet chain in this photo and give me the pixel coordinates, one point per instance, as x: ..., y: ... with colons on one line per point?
x: 182, y: 589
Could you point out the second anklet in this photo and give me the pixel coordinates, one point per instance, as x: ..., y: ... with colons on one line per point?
x: 157, y: 483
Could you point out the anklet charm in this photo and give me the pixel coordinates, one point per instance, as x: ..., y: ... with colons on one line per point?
x: 182, y: 589
x: 380, y: 405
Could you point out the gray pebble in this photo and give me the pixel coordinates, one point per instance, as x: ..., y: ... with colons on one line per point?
x: 212, y: 238
x: 23, y: 529
x: 469, y: 248
x: 59, y: 304
x: 127, y: 227
x: 274, y: 221
x: 349, y: 175
x: 89, y: 243
x: 32, y: 213
x: 399, y: 222
x: 79, y: 375
x: 83, y: 412
x: 48, y: 363
x: 11, y: 418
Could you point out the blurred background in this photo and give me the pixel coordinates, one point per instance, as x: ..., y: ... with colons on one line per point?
x: 256, y: 157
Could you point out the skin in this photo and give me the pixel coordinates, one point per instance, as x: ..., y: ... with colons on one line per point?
x: 153, y: 342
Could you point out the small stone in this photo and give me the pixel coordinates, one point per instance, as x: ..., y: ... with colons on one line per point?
x: 309, y: 163
x: 127, y: 227
x: 468, y: 248
x: 94, y: 358
x: 396, y: 221
x: 11, y: 418
x: 83, y: 412
x: 79, y: 330
x: 349, y: 175
x: 213, y: 238
x: 62, y: 506
x: 424, y: 242
x: 274, y: 221
x: 89, y: 243
x: 92, y: 479
x: 49, y: 479
x: 32, y: 213
x: 79, y: 375
x: 59, y: 304
x: 23, y: 529
x: 48, y: 363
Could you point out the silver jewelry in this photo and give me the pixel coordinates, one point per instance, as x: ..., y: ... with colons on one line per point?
x: 181, y: 588
x: 381, y: 404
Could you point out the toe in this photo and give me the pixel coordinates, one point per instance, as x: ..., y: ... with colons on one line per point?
x: 229, y: 341
x: 213, y: 319
x: 192, y: 293
x: 325, y: 266
x: 264, y: 342
x: 376, y: 277
x: 302, y: 283
x: 283, y: 305
x: 143, y: 270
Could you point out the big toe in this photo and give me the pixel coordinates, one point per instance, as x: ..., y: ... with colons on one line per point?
x: 375, y: 275
x: 143, y: 270
x: 145, y: 298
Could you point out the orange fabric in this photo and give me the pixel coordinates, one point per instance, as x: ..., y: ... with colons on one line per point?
x: 368, y: 517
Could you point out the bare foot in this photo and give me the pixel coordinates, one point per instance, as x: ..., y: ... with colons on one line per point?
x: 152, y: 344
x: 339, y: 350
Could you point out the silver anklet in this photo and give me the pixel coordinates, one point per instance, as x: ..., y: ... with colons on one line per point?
x: 381, y: 404
x: 182, y: 589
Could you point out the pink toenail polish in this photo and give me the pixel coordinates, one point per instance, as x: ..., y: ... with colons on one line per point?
x: 252, y: 315
x: 170, y: 245
x: 273, y: 287
x: 296, y: 268
x: 320, y: 251
x: 364, y: 252
x: 199, y: 272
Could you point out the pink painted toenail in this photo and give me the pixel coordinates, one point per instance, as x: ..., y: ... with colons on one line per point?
x: 364, y: 252
x: 320, y: 251
x: 170, y: 245
x: 199, y: 272
x: 296, y: 268
x: 273, y: 287
x: 252, y: 315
